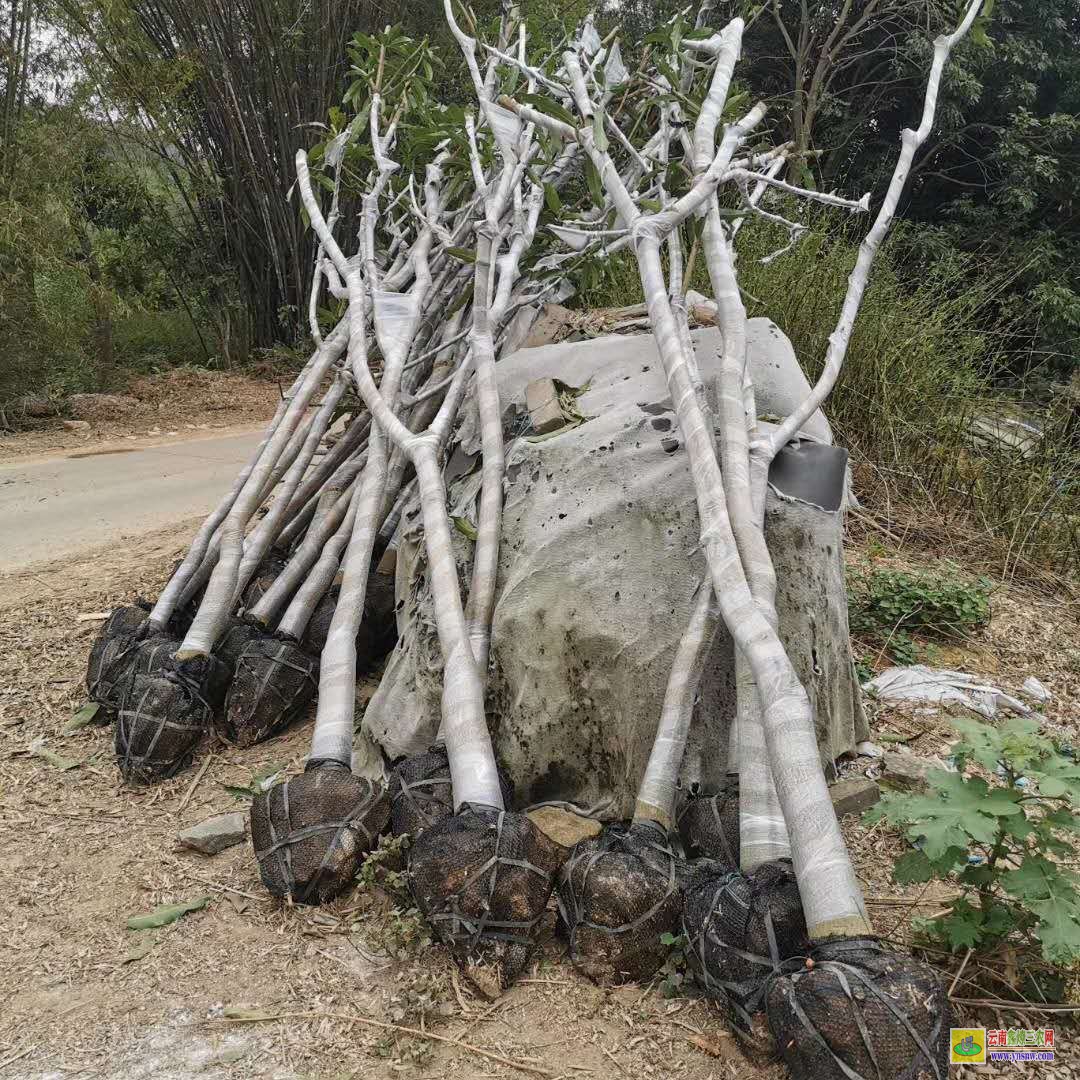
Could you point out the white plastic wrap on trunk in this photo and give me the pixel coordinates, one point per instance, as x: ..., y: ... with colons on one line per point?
x: 394, y: 316
x: 615, y: 73
x: 598, y: 568
x: 505, y: 124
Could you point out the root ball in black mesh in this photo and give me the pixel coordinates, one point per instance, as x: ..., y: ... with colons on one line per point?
x: 165, y: 713
x: 111, y: 653
x: 311, y: 833
x: 742, y: 931
x: 618, y: 894
x: 709, y: 825
x: 265, y: 575
x: 234, y: 640
x: 483, y: 879
x: 421, y: 793
x: 273, y: 682
x: 378, y: 629
x: 861, y: 1011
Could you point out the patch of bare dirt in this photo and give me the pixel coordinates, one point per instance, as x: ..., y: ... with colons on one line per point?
x: 246, y: 986
x: 249, y: 987
x: 184, y: 401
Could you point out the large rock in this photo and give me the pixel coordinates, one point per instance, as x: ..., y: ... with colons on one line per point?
x: 599, y: 563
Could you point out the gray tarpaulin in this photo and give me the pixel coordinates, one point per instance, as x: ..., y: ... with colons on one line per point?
x: 598, y: 566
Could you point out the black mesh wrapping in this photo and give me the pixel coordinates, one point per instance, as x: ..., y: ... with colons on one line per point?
x: 859, y: 1013
x: 420, y: 791
x: 273, y: 683
x: 311, y: 833
x: 618, y: 893
x: 743, y: 930
x: 483, y: 878
x: 378, y: 630
x: 265, y: 575
x: 110, y: 654
x: 165, y: 713
x: 318, y: 627
x: 709, y: 825
x: 235, y: 640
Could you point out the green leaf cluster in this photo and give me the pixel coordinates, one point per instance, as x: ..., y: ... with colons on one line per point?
x: 888, y: 606
x: 1021, y: 829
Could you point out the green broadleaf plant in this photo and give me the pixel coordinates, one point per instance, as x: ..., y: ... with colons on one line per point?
x: 1006, y: 844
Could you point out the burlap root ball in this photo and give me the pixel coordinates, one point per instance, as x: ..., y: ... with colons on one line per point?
x: 273, y: 682
x: 483, y: 878
x: 619, y: 892
x: 166, y: 712
x: 864, y: 1011
x: 709, y: 824
x: 421, y: 794
x: 311, y: 832
x: 742, y: 931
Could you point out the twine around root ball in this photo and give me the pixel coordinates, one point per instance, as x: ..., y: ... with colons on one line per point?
x: 274, y: 682
x: 483, y: 878
x: 165, y: 712
x: 618, y: 895
x: 311, y: 832
x: 421, y: 794
x: 744, y: 931
x: 860, y: 1012
x: 115, y: 638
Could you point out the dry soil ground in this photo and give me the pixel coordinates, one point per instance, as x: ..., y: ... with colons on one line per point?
x: 247, y: 987
x: 156, y: 407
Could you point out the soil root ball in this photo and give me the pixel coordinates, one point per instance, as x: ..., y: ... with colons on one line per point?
x: 618, y: 893
x: 111, y: 653
x: 166, y: 712
x: 483, y: 879
x: 709, y: 825
x: 274, y: 682
x: 421, y: 794
x: 378, y: 630
x: 744, y: 931
x: 265, y: 575
x: 311, y: 833
x: 861, y: 1011
x: 233, y: 642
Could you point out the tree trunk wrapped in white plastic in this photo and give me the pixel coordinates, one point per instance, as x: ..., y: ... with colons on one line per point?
x: 829, y: 891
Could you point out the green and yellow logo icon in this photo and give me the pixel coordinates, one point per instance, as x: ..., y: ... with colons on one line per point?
x: 967, y: 1046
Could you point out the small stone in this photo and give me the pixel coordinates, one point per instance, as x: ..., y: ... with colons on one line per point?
x: 216, y: 834
x: 564, y: 826
x: 77, y: 425
x: 868, y: 749
x: 906, y: 771
x: 1035, y: 690
x: 854, y: 796
x: 542, y: 401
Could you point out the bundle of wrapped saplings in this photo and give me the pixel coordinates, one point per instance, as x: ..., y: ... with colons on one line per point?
x: 400, y: 427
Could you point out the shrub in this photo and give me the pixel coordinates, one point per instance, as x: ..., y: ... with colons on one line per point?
x: 929, y: 354
x: 1005, y: 842
x: 888, y: 606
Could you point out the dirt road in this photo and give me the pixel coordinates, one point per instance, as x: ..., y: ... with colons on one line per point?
x: 60, y: 505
